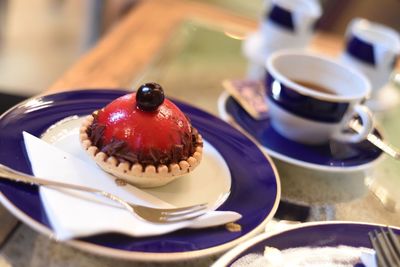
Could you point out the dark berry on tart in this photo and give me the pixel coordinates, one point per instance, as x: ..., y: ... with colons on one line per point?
x: 142, y: 138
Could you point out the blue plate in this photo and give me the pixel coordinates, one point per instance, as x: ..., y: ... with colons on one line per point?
x: 333, y: 156
x: 306, y: 235
x: 253, y: 173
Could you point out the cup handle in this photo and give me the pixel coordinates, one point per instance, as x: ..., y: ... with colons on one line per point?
x: 367, y: 127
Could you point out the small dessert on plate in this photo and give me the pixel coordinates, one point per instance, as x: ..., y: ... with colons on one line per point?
x: 142, y: 138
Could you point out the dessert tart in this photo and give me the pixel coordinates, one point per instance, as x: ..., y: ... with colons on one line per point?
x: 142, y: 138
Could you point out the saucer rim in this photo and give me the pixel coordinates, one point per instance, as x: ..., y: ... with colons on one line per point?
x: 229, y: 256
x: 223, y: 114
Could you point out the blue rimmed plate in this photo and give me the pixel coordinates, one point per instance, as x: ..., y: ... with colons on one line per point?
x: 333, y: 157
x: 254, y: 173
x: 320, y: 234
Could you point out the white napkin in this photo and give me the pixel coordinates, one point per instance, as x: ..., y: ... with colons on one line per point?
x: 75, y: 214
x: 309, y: 256
x: 305, y: 256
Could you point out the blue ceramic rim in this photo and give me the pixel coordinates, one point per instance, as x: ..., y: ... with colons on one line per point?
x: 281, y: 17
x: 361, y: 50
x: 250, y: 245
x: 307, y: 107
x: 225, y: 100
x: 154, y: 256
x: 364, y: 51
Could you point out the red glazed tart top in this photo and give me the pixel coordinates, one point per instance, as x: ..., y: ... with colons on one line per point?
x: 144, y: 127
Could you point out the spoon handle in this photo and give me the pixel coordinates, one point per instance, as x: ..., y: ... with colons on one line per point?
x: 377, y: 141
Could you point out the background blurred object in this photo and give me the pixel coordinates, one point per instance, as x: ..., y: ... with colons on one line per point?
x: 285, y: 25
x: 40, y: 39
x: 252, y: 8
x: 101, y: 15
x: 338, y: 13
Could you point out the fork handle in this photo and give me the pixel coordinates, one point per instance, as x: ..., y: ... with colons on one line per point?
x: 13, y: 175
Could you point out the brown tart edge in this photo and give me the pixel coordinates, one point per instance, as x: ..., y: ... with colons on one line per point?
x: 137, y: 174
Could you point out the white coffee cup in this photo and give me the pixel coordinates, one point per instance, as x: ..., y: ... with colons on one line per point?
x: 373, y: 49
x: 287, y: 24
x: 300, y: 112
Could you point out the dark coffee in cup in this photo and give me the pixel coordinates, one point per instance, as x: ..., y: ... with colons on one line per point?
x: 315, y: 87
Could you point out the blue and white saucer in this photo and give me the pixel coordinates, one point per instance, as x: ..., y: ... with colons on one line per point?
x: 331, y: 157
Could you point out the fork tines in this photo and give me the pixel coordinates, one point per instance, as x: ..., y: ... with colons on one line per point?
x: 182, y: 214
x: 387, y: 247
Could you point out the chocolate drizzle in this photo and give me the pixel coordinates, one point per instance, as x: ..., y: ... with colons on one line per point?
x: 121, y: 150
x: 95, y: 132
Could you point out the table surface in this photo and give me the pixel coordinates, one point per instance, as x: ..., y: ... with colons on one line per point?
x: 190, y: 51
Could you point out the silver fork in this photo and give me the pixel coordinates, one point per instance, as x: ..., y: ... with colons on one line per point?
x: 155, y: 215
x: 387, y: 247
